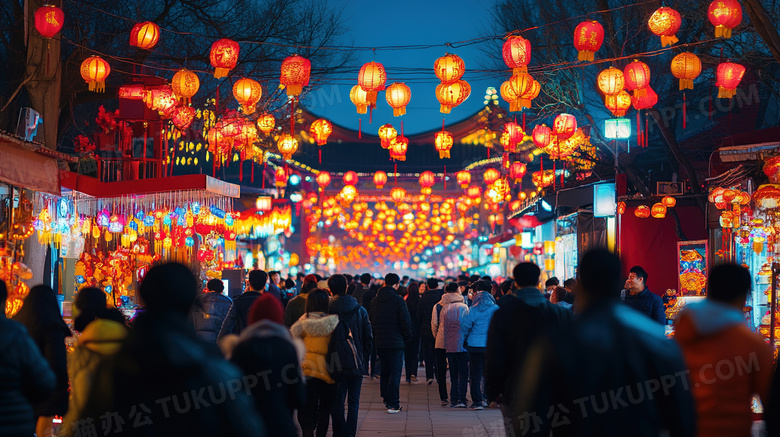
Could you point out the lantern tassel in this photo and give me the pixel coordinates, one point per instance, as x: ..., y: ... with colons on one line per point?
x: 638, y: 129
x: 685, y: 113
x: 252, y: 177
x: 319, y: 154
x: 444, y: 178
x: 265, y: 167
x: 554, y: 171
x: 360, y: 130
x: 241, y: 171
x: 395, y: 173
x: 647, y: 131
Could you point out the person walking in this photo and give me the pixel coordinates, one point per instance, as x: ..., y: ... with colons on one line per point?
x: 446, y: 324
x: 361, y: 288
x: 210, y: 311
x: 235, y: 320
x: 355, y: 316
x: 296, y: 307
x: 412, y: 351
x: 40, y: 314
x: 392, y: 327
x: 475, y: 328
x: 372, y: 365
x: 428, y: 299
x: 26, y: 378
x: 440, y: 350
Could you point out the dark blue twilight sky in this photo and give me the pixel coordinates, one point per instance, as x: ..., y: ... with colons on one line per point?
x: 410, y: 22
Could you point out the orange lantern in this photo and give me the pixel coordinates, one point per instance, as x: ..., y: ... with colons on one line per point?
x: 386, y: 134
x: 452, y: 95
x: 464, y: 178
x: 380, y: 179
x: 619, y: 104
x: 525, y: 99
x: 647, y: 101
x: 287, y: 145
x: 350, y: 178
x: 183, y: 116
x: 247, y: 92
x: 359, y: 98
x: 564, y: 126
x: 398, y: 96
x: 474, y: 192
x: 725, y: 15
x: 514, y: 136
x: 729, y: 76
x: 517, y: 53
x: 588, y: 38
x: 266, y: 123
x: 490, y: 175
x: 542, y: 136
x: 295, y: 72
x: 94, y: 70
x: 665, y: 22
x: 521, y: 85
x: 611, y: 81
x: 398, y: 147
x: 323, y: 179
x: 398, y: 194
x: 371, y: 79
x: 185, y: 84
x: 542, y: 178
x: 517, y: 171
x: 669, y: 201
x: 49, y: 20
x: 145, y: 35
x: 658, y: 211
x: 449, y: 68
x: 427, y: 179
x: 621, y: 207
x: 264, y: 203
x: 637, y: 77
x: 686, y: 66
x: 223, y: 56
x: 443, y: 142
x: 510, y: 96
x: 642, y: 211
x: 280, y: 176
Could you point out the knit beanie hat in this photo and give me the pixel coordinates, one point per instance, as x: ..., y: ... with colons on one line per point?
x: 266, y: 307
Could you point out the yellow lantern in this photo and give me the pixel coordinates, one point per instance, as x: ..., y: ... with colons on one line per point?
x: 287, y: 145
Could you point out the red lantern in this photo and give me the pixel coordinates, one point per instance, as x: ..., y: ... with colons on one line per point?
x: 386, y: 134
x: 564, y: 126
x: 49, y: 20
x: 642, y: 211
x: 452, y: 95
x: 725, y: 15
x: 474, y: 192
x: 321, y: 129
x: 183, y: 116
x: 621, y: 208
x: 371, y: 79
x: 464, y: 178
x: 517, y: 171
x: 287, y: 145
x: 161, y: 99
x: 185, y: 84
x: 223, y: 56
x: 247, y: 92
x: 350, y: 178
x: 145, y: 35
x: 686, y: 66
x: 427, y: 179
x: 618, y: 104
x: 295, y: 74
x: 588, y: 38
x: 94, y: 70
x: 398, y: 96
x: 449, y: 68
x: 665, y: 22
x: 729, y: 76
x: 380, y: 179
x: 542, y: 136
x: 637, y: 77
x: 398, y: 194
x: 280, y: 177
x: 611, y: 81
x: 514, y: 134
x: 323, y: 179
x: 646, y: 101
x: 490, y: 175
x: 509, y: 94
x: 517, y: 53
x: 443, y: 142
x: 398, y: 147
x: 521, y: 85
x: 266, y: 123
x: 359, y: 98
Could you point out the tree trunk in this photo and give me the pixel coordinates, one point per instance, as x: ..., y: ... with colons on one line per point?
x: 764, y: 26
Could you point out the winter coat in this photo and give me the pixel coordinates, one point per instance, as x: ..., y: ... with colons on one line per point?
x: 274, y: 290
x: 100, y: 340
x: 413, y: 305
x: 648, y: 303
x: 25, y: 379
x: 268, y: 351
x: 360, y: 290
x: 295, y: 308
x: 315, y: 330
x: 208, y: 319
x: 368, y: 296
x: 390, y: 320
x: 235, y: 320
x: 446, y: 323
x: 428, y: 300
x: 477, y: 321
x: 714, y: 339
x: 51, y: 343
x: 344, y: 305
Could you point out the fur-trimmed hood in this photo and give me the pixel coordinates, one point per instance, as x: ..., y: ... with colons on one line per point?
x: 315, y: 325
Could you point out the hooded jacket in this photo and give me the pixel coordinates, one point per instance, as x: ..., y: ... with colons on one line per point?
x: 345, y: 306
x: 207, y: 319
x: 428, y: 300
x: 315, y: 330
x: 477, y: 321
x: 390, y: 319
x: 25, y: 378
x: 236, y: 318
x: 446, y: 323
x: 728, y: 364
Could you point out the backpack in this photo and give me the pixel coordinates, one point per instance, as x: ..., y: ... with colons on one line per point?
x: 342, y: 359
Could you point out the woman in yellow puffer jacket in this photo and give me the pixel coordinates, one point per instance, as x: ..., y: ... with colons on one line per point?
x: 315, y: 328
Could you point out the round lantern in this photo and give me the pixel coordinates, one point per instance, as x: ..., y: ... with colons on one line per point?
x: 619, y: 104
x: 49, y: 20
x: 564, y: 126
x: 517, y: 53
x: 490, y: 175
x: 510, y: 96
x: 542, y: 136
x: 398, y: 147
x: 386, y: 134
x: 474, y: 192
x: 427, y: 179
x: 514, y: 136
x: 611, y: 81
x: 398, y: 194
x: 223, y: 56
x: 669, y: 201
x: 350, y: 178
x: 452, y: 95
x: 665, y: 22
x: 449, y: 68
x: 525, y: 99
x: 621, y: 207
x: 443, y: 142
x: 398, y: 96
x: 95, y: 70
x: 464, y: 178
x: 686, y: 66
x: 320, y: 130
x: 380, y: 179
x: 517, y: 171
x: 247, y: 92
x: 359, y: 98
x: 185, y: 84
x: 725, y: 15
x: 658, y: 211
x: 287, y: 145
x: 372, y: 79
x: 642, y: 211
x: 323, y: 179
x: 521, y: 85
x: 182, y: 117
x: 266, y: 123
x: 637, y: 77
x: 145, y: 35
x: 295, y: 74
x: 647, y: 101
x: 729, y: 76
x: 588, y: 38
x: 280, y: 177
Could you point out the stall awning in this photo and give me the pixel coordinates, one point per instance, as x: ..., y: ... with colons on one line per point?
x: 26, y: 168
x: 92, y: 187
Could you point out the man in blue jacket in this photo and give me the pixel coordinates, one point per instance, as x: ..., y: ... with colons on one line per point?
x: 640, y: 298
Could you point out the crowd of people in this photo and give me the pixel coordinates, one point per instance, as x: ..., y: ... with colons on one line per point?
x: 588, y: 358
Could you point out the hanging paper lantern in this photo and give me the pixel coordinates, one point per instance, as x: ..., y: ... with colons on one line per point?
x: 295, y: 72
x: 669, y: 201
x: 427, y: 179
x: 452, y: 95
x: 658, y: 211
x: 449, y: 68
x: 521, y: 85
x: 247, y: 92
x: 350, y: 178
x: 183, y: 116
x: 621, y: 208
x: 525, y: 99
x: 510, y: 96
x: 443, y: 142
x: 287, y: 145
x: 588, y: 38
x: 686, y: 66
x: 266, y: 123
x: 161, y: 99
x: 542, y: 179
x: 637, y: 77
x: 611, y: 81
x: 564, y: 126
x: 729, y: 76
x: 359, y: 98
x: 223, y: 56
x: 280, y: 177
x: 490, y: 175
x: 386, y: 134
x: 517, y: 171
x: 619, y: 104
x: 185, y: 84
x: 514, y: 136
x: 560, y: 149
x: 398, y: 147
x: 646, y: 101
x: 94, y: 70
x: 398, y: 96
x: 323, y: 179
x: 725, y: 15
x: 145, y: 35
x: 398, y: 194
x: 320, y: 130
x: 380, y: 179
x: 474, y: 192
x: 371, y: 79
x: 464, y: 178
x: 517, y: 53
x: 642, y: 211
x: 542, y: 136
x: 665, y: 22
x: 49, y: 20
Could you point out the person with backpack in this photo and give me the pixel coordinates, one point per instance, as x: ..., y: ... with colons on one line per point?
x: 354, y: 318
x: 210, y: 310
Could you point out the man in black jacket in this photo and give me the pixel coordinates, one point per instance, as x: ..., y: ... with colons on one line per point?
x: 235, y: 321
x: 356, y: 318
x: 428, y: 300
x: 392, y: 331
x: 640, y: 298
x: 361, y: 288
x: 369, y: 292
